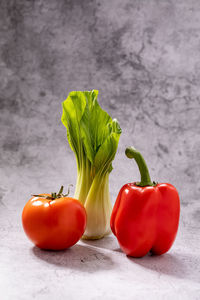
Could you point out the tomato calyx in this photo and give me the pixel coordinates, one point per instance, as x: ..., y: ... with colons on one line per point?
x: 56, y: 195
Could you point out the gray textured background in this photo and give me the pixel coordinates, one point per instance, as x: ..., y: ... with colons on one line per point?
x: 143, y: 56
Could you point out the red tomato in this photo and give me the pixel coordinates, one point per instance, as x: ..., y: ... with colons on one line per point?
x: 54, y: 224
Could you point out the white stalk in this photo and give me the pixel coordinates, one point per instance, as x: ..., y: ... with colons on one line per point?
x: 98, y: 207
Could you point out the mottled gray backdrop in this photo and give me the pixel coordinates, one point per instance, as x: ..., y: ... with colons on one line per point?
x: 144, y: 58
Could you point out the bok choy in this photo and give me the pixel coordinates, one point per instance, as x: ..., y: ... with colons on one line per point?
x: 93, y: 136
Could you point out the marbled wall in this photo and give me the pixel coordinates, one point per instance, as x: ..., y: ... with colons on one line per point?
x: 143, y: 56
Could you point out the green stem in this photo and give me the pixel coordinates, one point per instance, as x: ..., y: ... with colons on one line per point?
x: 131, y: 152
x: 61, y: 191
x: 55, y: 195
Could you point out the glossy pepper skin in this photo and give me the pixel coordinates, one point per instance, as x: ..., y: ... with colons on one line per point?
x: 145, y: 216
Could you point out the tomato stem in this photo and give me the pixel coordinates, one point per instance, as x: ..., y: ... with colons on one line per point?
x: 61, y: 190
x: 56, y: 195
x: 68, y: 191
x: 131, y: 152
x: 42, y: 196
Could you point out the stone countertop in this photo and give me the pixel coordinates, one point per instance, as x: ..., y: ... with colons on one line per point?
x: 97, y: 269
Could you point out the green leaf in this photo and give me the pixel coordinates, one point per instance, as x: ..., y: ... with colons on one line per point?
x: 106, y: 153
x: 73, y: 110
x: 94, y: 125
x: 90, y: 130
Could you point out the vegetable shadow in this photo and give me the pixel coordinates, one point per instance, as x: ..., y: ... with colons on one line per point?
x: 179, y: 265
x: 80, y: 257
x: 108, y: 243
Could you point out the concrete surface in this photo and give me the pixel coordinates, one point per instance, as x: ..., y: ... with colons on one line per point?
x: 97, y: 269
x: 143, y: 56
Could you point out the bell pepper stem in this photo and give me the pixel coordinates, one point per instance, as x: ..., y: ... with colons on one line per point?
x: 131, y: 152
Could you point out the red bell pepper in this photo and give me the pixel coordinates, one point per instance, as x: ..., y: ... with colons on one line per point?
x: 145, y: 216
